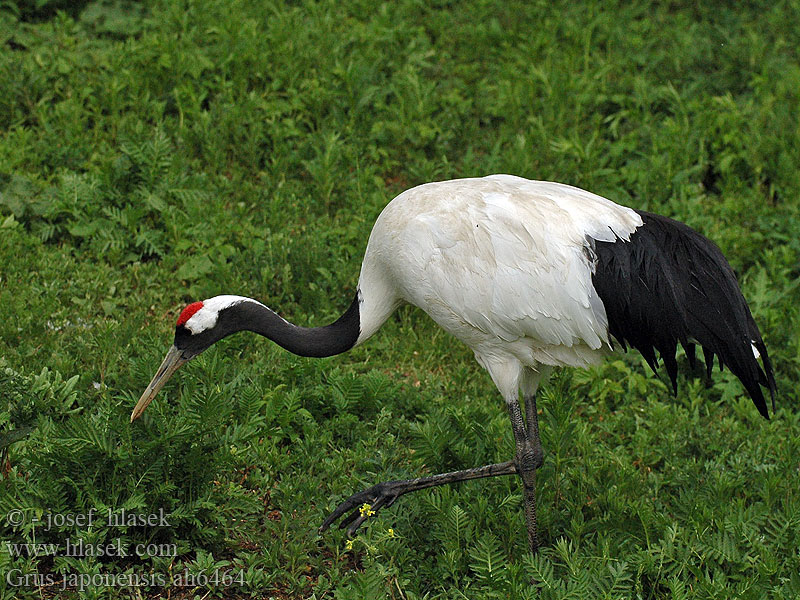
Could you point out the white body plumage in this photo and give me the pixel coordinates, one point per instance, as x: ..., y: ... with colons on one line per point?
x: 501, y: 263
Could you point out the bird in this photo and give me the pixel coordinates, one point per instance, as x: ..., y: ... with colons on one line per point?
x: 531, y: 276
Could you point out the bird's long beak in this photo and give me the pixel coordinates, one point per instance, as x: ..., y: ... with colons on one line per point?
x: 172, y: 361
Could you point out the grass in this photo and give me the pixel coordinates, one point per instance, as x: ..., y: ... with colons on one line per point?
x: 157, y: 153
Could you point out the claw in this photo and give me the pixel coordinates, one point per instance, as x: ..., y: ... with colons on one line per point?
x: 351, y: 531
x: 375, y: 498
x: 349, y: 519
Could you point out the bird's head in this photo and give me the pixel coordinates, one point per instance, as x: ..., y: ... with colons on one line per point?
x: 199, y: 326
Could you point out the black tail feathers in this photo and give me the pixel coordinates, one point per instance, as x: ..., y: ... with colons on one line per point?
x: 671, y: 285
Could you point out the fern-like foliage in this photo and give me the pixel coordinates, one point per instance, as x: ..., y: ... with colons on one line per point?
x: 488, y: 562
x: 129, y: 212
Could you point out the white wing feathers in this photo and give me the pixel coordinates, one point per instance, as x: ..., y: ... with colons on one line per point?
x: 506, y: 258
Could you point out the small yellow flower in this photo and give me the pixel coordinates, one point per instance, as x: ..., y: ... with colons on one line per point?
x: 391, y: 532
x: 366, y: 510
x: 348, y: 545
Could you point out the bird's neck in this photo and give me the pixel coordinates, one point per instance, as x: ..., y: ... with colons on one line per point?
x: 318, y: 342
x: 374, y: 301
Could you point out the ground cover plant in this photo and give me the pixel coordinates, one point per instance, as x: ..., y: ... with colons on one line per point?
x: 157, y: 153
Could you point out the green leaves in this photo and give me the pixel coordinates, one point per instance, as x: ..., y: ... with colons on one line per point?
x: 129, y: 212
x: 156, y: 153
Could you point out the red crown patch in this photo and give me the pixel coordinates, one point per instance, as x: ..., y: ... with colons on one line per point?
x: 187, y: 312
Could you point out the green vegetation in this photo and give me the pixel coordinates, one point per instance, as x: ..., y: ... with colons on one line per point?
x: 157, y: 153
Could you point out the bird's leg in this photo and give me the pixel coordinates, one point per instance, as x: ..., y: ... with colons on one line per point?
x: 384, y: 494
x: 532, y: 422
x: 528, y: 459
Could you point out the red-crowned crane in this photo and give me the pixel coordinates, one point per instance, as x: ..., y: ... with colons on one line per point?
x: 530, y: 275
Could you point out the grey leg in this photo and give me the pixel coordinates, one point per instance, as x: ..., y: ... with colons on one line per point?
x: 384, y: 494
x: 528, y: 459
x: 532, y: 420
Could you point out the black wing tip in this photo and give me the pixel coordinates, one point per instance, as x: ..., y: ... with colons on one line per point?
x: 752, y: 386
x: 669, y: 284
x: 761, y: 405
x: 767, y: 375
x: 758, y: 399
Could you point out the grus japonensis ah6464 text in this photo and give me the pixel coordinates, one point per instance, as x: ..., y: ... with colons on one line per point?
x: 530, y: 275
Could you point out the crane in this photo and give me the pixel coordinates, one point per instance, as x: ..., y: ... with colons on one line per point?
x: 531, y: 275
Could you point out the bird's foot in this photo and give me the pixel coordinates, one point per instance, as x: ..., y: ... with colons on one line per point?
x: 363, y: 505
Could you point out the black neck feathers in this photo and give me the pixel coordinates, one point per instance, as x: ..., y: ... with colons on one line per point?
x: 249, y: 315
x: 317, y: 342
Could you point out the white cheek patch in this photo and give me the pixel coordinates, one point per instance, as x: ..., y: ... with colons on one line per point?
x: 202, y: 320
x: 206, y: 318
